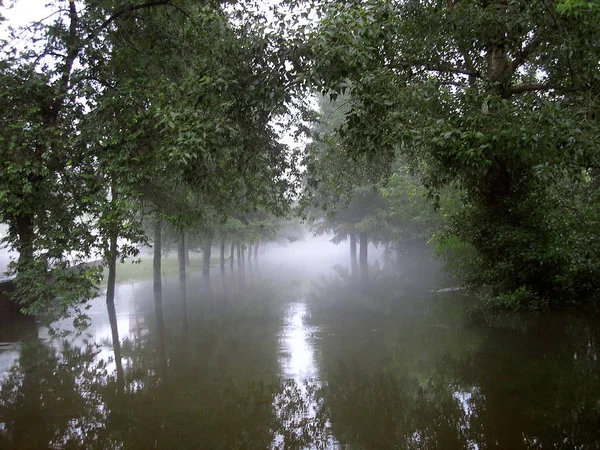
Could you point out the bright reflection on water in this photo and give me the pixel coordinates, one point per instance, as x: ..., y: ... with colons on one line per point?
x: 297, y: 350
x: 300, y: 371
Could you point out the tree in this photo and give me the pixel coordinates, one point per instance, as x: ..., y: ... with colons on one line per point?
x: 129, y: 104
x: 495, y: 98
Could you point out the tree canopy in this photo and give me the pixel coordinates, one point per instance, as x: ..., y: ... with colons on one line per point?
x: 496, y: 99
x: 118, y: 109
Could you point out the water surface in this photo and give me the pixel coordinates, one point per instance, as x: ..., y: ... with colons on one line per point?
x: 283, y: 355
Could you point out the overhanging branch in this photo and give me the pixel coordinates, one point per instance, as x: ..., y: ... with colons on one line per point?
x: 533, y: 87
x: 132, y: 8
x: 441, y: 68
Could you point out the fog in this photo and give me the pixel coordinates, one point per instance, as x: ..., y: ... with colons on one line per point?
x: 294, y: 350
x: 314, y: 255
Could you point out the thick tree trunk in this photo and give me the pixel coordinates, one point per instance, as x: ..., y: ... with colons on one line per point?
x: 231, y: 256
x: 206, y: 256
x: 112, y: 269
x: 222, y: 255
x: 249, y: 252
x: 24, y: 226
x: 157, y: 262
x: 181, y: 256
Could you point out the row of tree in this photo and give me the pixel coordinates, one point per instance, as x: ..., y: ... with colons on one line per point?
x: 120, y: 110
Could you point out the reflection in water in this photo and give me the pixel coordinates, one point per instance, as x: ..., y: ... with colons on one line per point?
x: 389, y: 365
x: 116, y: 342
x: 298, y: 353
x: 9, y: 354
x: 298, y: 407
x: 160, y: 333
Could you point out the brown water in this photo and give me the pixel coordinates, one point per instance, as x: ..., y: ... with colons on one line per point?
x: 274, y: 359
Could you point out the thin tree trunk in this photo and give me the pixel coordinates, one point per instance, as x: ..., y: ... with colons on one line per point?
x: 232, y: 255
x: 206, y: 254
x: 183, y: 295
x: 353, y: 250
x: 362, y: 256
x: 249, y: 252
x: 112, y: 252
x: 364, y: 244
x: 156, y: 264
x: 222, y: 255
x: 239, y: 255
x: 112, y: 269
x: 256, y: 251
x: 181, y: 256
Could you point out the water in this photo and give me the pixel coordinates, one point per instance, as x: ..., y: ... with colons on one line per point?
x: 282, y: 357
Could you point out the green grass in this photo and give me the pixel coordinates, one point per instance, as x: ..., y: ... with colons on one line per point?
x: 141, y: 268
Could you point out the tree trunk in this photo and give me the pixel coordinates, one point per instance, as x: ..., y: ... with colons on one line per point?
x: 112, y: 250
x: 353, y: 250
x: 112, y: 269
x: 239, y: 255
x: 206, y: 255
x: 231, y: 255
x: 255, y: 251
x: 181, y: 256
x: 362, y: 256
x: 364, y: 244
x: 156, y: 264
x: 243, y: 251
x: 24, y: 226
x: 249, y: 252
x: 222, y: 255
x: 184, y: 319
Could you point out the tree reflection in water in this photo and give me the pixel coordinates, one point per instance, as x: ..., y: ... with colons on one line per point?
x: 345, y: 367
x: 414, y: 374
x: 301, y: 419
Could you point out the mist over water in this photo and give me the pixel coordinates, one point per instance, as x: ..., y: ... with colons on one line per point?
x: 295, y: 350
x: 313, y: 255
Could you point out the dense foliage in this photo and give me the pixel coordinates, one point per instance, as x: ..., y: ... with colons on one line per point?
x: 495, y: 99
x: 486, y: 110
x: 116, y: 110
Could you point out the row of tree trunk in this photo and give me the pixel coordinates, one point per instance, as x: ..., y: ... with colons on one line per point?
x: 183, y: 260
x: 183, y: 254
x: 241, y: 253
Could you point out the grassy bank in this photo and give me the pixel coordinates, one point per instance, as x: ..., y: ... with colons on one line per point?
x: 141, y: 268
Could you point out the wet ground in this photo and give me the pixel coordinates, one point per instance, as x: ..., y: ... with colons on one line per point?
x: 289, y: 355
